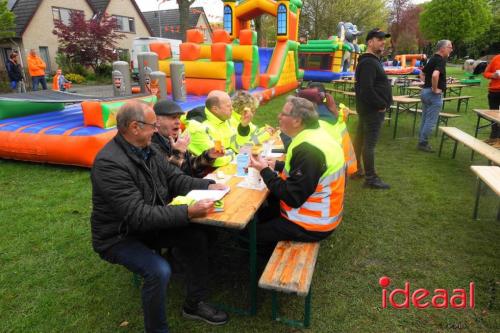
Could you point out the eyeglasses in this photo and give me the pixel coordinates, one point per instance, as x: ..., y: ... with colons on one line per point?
x: 154, y: 125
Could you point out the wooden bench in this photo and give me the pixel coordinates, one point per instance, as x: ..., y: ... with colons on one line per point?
x: 491, y: 153
x: 490, y: 175
x: 459, y: 99
x: 290, y: 269
x: 442, y: 119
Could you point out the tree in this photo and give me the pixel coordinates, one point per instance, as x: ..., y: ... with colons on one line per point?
x: 7, y: 23
x: 88, y: 42
x: 319, y: 18
x: 184, y: 6
x: 406, y: 36
x: 460, y: 21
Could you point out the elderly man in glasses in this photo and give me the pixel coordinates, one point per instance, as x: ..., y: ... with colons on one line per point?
x: 132, y: 186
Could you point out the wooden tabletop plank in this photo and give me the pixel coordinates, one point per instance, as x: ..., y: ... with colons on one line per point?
x: 490, y: 175
x: 405, y: 99
x: 493, y: 115
x: 240, y: 205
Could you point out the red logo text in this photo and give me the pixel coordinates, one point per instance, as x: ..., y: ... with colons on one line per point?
x: 422, y: 298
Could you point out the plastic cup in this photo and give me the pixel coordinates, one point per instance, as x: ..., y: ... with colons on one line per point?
x: 253, y: 177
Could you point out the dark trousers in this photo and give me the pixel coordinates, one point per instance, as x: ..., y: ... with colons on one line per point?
x: 366, y: 139
x: 494, y: 102
x: 39, y: 79
x: 273, y: 227
x: 137, y: 255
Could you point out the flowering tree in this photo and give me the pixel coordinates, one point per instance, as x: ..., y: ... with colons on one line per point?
x: 88, y: 42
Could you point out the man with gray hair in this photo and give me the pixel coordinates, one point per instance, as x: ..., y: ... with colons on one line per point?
x: 307, y: 198
x: 434, y: 77
x: 132, y: 188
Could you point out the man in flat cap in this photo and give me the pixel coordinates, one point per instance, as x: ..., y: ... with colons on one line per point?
x: 373, y: 97
x: 174, y: 144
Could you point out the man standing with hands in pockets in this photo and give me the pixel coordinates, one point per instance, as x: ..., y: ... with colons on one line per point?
x: 434, y: 77
x: 373, y: 97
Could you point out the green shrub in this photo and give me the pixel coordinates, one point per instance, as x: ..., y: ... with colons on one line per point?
x: 4, y: 82
x: 90, y: 77
x: 75, y: 78
x: 104, y: 70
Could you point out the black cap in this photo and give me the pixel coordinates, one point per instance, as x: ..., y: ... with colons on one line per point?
x: 377, y: 33
x: 167, y: 108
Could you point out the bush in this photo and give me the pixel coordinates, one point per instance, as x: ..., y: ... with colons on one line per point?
x: 75, y: 78
x: 4, y: 82
x: 70, y: 66
x: 104, y: 70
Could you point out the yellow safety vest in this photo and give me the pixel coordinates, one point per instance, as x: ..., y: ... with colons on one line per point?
x: 322, y: 211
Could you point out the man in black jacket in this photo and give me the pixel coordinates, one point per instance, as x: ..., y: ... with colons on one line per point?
x: 174, y: 145
x: 373, y: 97
x: 132, y: 185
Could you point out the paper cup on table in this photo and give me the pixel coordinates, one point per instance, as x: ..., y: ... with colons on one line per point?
x: 253, y: 177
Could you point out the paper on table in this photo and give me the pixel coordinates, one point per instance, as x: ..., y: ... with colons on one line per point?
x: 207, y: 194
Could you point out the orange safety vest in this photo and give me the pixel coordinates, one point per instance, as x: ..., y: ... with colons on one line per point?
x: 323, y: 210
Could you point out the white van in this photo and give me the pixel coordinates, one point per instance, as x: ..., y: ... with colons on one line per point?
x: 141, y: 44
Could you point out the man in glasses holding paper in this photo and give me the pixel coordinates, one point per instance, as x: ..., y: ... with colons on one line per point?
x: 132, y: 186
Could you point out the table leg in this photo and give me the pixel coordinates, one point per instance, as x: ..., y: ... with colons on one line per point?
x: 477, y: 125
x: 478, y: 193
x: 253, y: 266
x: 396, y: 121
x: 441, y: 145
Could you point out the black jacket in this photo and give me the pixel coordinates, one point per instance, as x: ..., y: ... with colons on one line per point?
x: 129, y: 194
x: 373, y: 89
x: 14, y: 71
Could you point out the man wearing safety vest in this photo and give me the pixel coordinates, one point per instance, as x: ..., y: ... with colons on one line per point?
x: 209, y: 127
x: 310, y: 187
x: 333, y: 121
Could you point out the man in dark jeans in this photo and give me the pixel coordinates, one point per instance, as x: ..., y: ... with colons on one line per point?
x: 132, y: 186
x: 373, y: 97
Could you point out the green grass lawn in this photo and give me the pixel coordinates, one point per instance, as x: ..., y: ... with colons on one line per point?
x: 420, y: 231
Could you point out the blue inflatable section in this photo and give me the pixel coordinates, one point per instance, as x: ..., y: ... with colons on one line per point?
x: 265, y: 54
x: 238, y: 71
x: 324, y: 76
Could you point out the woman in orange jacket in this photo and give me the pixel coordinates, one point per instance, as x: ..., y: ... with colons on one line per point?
x: 36, y: 67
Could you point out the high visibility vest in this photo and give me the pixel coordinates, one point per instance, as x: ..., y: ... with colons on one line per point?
x: 257, y: 135
x: 204, y: 134
x: 322, y: 211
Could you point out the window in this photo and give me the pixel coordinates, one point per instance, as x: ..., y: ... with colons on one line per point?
x: 228, y: 19
x: 63, y: 14
x: 282, y: 15
x: 125, y: 24
x: 44, y: 54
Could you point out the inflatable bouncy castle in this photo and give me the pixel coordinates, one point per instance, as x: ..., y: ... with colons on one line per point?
x: 407, y: 64
x: 333, y: 58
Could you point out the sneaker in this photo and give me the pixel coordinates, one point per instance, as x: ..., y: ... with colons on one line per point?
x: 377, y: 184
x: 426, y: 148
x: 205, y: 312
x: 357, y: 175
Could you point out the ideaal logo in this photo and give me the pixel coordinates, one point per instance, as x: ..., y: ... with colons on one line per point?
x: 460, y: 298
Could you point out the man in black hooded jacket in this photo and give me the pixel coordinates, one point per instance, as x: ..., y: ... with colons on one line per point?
x: 132, y: 185
x: 373, y: 97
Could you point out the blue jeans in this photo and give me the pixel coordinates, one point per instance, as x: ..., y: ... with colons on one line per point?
x: 431, y: 106
x: 137, y: 255
x: 39, y: 79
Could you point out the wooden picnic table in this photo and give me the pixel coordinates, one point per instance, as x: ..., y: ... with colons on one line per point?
x: 490, y: 175
x: 240, y: 206
x: 343, y: 83
x: 492, y: 116
x: 451, y: 90
x: 404, y: 103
